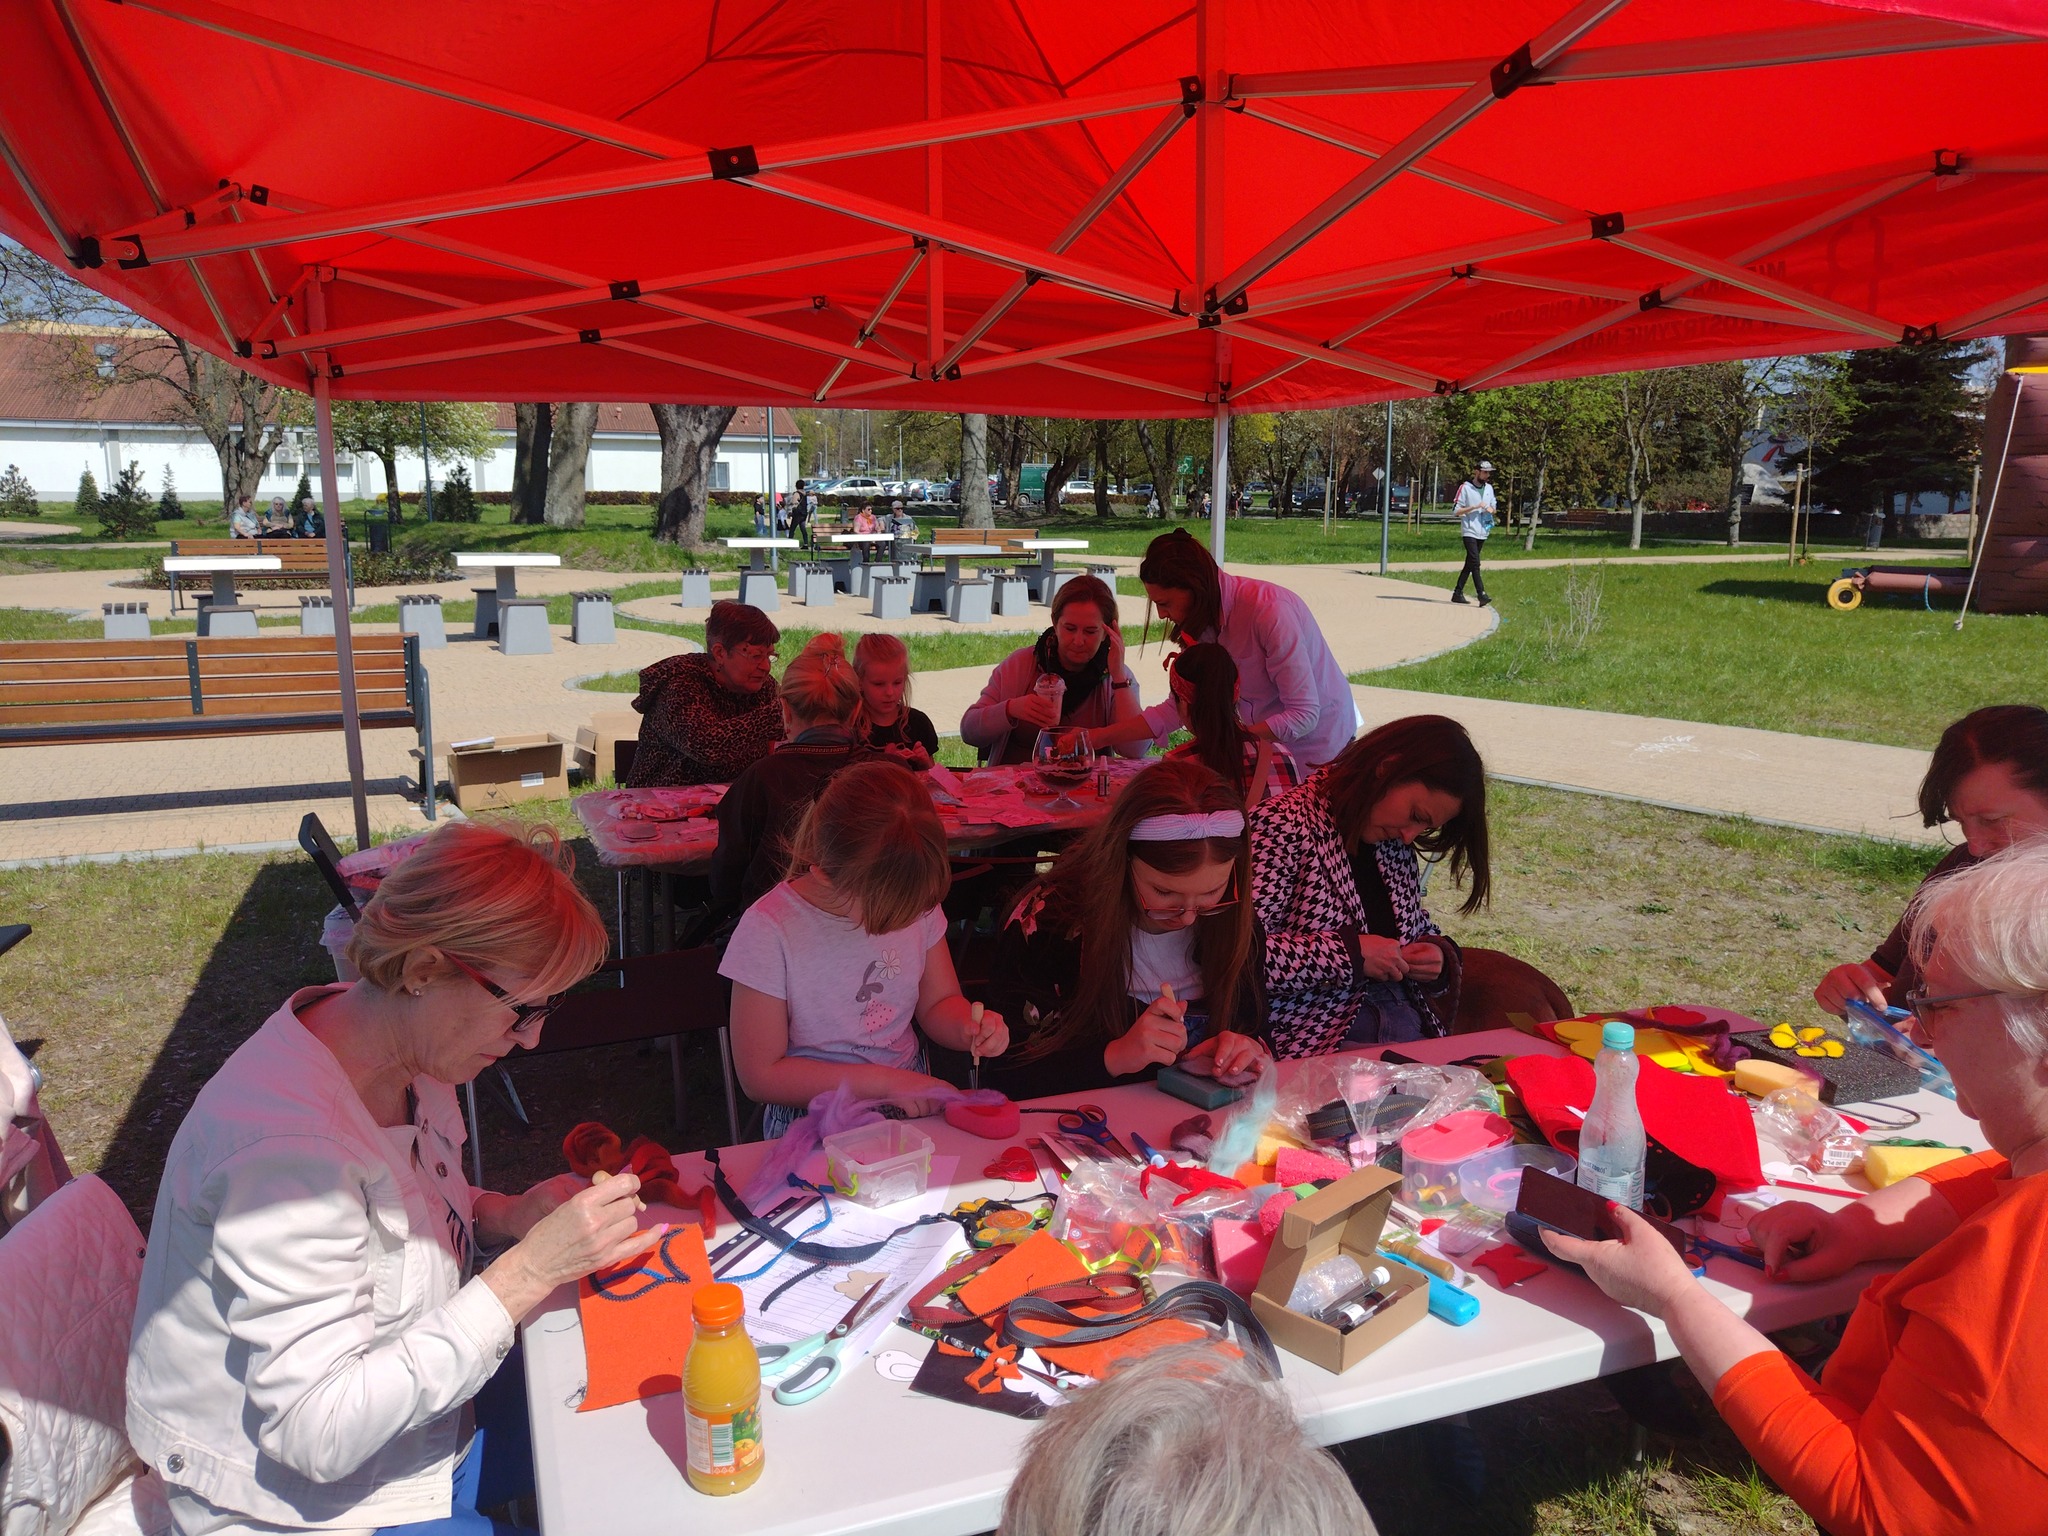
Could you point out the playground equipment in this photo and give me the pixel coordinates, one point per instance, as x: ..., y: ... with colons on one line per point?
x: 2008, y: 570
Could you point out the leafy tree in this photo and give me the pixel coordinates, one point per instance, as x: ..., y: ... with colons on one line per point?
x: 1728, y: 401
x: 125, y: 510
x: 1912, y: 427
x: 456, y: 502
x: 17, y: 496
x: 168, y: 507
x: 390, y: 430
x: 87, y: 503
x: 569, y: 462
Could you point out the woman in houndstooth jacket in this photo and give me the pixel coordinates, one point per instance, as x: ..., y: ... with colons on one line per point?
x: 1351, y: 954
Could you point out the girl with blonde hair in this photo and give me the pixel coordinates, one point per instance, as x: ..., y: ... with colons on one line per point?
x: 887, y: 721
x: 836, y: 969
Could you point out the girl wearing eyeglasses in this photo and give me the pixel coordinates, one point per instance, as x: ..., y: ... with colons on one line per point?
x: 1138, y: 948
x: 315, y: 1316
x: 1352, y: 956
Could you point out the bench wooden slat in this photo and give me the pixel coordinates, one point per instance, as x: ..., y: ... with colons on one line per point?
x: 387, y: 701
x: 254, y: 685
x: 174, y: 646
x: 192, y: 727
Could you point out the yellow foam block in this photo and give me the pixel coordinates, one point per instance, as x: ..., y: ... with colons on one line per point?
x: 1760, y: 1077
x: 1271, y: 1145
x: 1887, y: 1165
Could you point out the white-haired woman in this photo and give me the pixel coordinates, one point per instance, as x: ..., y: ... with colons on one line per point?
x: 1928, y: 1418
x: 1186, y: 1441
x: 311, y: 1328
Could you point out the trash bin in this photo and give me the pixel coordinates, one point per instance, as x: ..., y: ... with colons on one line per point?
x: 380, y: 534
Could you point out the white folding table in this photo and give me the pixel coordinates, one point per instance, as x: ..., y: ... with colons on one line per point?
x: 874, y: 1457
x: 757, y: 581
x: 222, y: 569
x: 505, y: 569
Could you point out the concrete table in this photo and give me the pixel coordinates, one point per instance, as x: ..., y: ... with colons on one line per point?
x: 952, y: 554
x: 1048, y: 549
x: 757, y: 581
x: 221, y: 605
x: 506, y: 567
x: 857, y: 582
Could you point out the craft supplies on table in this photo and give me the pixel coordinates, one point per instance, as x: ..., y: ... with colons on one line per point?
x: 1493, y: 1179
x: 805, y: 1368
x: 1345, y: 1219
x: 877, y: 1165
x: 1432, y: 1155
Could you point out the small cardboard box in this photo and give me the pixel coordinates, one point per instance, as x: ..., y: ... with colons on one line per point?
x: 494, y: 771
x: 1347, y: 1217
x: 597, y: 744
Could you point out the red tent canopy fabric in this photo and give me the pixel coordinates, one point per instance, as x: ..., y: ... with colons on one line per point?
x: 1148, y: 208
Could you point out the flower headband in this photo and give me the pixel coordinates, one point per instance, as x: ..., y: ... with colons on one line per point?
x: 1189, y: 829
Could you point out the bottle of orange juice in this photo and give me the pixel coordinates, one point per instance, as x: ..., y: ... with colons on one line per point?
x: 722, y: 1394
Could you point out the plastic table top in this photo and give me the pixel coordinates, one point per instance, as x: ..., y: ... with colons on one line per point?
x: 761, y: 543
x: 861, y: 538
x: 201, y: 564
x: 874, y: 1457
x: 1050, y: 543
x: 486, y: 560
x: 957, y: 551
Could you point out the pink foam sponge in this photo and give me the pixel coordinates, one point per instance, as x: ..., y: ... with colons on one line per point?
x: 998, y: 1120
x: 1296, y: 1165
x: 1240, y: 1248
x: 1271, y: 1212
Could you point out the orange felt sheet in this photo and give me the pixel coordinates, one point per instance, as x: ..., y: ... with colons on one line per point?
x: 634, y: 1347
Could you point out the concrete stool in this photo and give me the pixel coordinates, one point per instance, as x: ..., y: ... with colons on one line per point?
x: 929, y: 593
x: 891, y: 596
x: 696, y: 589
x: 523, y: 626
x: 124, y: 621
x: 218, y: 621
x: 1106, y: 574
x: 757, y: 590
x: 1056, y: 580
x: 818, y: 590
x: 591, y: 619
x: 969, y: 601
x: 316, y: 615
x: 1013, y: 596
x: 419, y: 613
x: 486, y: 611
x: 841, y: 569
x: 799, y: 572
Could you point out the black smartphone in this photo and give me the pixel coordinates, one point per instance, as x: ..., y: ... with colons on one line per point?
x: 1560, y: 1204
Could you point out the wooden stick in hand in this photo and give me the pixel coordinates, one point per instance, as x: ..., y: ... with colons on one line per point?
x: 974, y: 1014
x: 600, y: 1176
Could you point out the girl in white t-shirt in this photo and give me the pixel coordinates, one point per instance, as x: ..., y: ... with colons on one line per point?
x: 836, y: 969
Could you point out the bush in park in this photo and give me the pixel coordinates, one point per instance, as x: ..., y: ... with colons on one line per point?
x: 168, y: 507
x: 126, y: 509
x: 88, y: 501
x: 455, y: 502
x: 301, y: 493
x: 17, y: 496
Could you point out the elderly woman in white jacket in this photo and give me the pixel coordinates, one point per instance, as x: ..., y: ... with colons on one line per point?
x: 311, y: 1327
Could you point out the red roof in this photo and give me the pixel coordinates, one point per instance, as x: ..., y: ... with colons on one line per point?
x: 1047, y: 207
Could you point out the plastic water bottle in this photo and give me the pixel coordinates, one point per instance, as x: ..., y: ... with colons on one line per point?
x: 1612, y: 1145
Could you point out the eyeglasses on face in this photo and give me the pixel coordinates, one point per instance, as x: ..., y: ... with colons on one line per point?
x: 1923, y: 1007
x: 525, y: 1016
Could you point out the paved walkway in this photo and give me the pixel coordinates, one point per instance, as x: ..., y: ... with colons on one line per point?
x: 18, y: 528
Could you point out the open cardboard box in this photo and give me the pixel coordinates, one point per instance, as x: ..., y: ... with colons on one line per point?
x: 1347, y: 1217
x: 503, y: 770
x: 597, y: 744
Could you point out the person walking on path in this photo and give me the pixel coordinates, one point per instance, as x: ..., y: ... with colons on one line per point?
x: 1475, y: 521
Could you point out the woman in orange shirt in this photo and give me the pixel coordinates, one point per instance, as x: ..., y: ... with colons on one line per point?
x: 1928, y: 1420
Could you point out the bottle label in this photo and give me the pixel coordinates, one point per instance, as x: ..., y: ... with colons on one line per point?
x: 1613, y: 1186
x: 723, y: 1443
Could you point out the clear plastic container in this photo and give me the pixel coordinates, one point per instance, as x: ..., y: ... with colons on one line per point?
x: 879, y: 1164
x: 1493, y: 1180
x: 1432, y: 1156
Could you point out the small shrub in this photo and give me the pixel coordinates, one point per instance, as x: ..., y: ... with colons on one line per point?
x: 456, y: 501
x: 301, y: 493
x: 88, y: 502
x: 168, y: 507
x: 422, y: 552
x: 17, y: 496
x: 126, y: 510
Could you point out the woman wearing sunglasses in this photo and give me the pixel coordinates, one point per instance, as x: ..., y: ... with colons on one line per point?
x: 1138, y: 948
x: 316, y: 1314
x: 1928, y: 1416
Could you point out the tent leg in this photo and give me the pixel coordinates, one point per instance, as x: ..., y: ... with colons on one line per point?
x: 337, y: 573
x: 1219, y: 478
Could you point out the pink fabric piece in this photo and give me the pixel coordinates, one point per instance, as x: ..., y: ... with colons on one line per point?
x: 1297, y: 1165
x: 1271, y: 1212
x: 998, y: 1121
x: 1240, y: 1248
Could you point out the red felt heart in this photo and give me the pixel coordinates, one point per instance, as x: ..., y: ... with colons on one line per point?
x: 1016, y: 1164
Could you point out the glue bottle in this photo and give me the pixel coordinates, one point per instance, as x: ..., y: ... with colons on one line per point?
x: 722, y: 1394
x: 1611, y: 1144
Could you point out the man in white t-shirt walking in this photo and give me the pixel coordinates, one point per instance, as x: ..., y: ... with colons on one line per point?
x: 1475, y: 521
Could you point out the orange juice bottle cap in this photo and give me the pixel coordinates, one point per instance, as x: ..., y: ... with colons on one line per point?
x: 718, y: 1306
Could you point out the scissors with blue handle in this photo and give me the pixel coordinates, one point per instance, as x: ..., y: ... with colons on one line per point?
x: 1088, y: 1121
x: 815, y: 1360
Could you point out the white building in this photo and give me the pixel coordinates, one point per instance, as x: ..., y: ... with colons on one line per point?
x: 55, y: 430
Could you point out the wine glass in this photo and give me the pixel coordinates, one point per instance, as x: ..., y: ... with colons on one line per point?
x: 1064, y: 756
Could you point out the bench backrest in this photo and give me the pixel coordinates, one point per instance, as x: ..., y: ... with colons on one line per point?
x: 1011, y: 543
x: 301, y: 557
x: 165, y: 686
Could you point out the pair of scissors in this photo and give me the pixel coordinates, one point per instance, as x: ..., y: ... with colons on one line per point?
x: 815, y: 1360
x: 1089, y: 1122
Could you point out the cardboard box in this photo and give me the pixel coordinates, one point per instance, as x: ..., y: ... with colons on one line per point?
x: 494, y: 771
x: 597, y: 744
x: 1347, y: 1217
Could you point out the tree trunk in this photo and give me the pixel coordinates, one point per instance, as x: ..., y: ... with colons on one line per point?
x: 529, y: 461
x: 1056, y: 474
x: 568, y: 462
x: 1013, y: 465
x: 389, y: 456
x: 1101, y: 475
x: 1735, y: 497
x: 689, y: 449
x: 1535, y: 517
x: 976, y: 511
x: 1162, y: 483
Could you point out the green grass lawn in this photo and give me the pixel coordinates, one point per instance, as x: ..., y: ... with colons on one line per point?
x: 1738, y: 645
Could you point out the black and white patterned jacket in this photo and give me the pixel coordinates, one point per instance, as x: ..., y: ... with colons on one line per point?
x: 1310, y: 909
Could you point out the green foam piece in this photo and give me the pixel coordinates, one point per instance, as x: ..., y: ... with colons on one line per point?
x: 1202, y: 1092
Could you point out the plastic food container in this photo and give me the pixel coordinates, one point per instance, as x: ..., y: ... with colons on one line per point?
x: 879, y: 1164
x: 1493, y: 1180
x: 1432, y: 1156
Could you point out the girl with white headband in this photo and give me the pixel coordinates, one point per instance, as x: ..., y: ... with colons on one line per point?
x: 1139, y: 947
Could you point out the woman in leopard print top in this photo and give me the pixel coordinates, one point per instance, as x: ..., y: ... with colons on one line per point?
x: 713, y: 714
x: 1351, y: 954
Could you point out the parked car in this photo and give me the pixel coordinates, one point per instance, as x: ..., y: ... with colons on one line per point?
x: 1078, y: 490
x: 859, y: 485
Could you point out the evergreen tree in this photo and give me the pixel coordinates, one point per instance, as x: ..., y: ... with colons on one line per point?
x: 455, y: 501
x: 125, y: 510
x: 17, y: 496
x: 1912, y: 427
x: 88, y: 502
x: 168, y: 507
x: 302, y: 493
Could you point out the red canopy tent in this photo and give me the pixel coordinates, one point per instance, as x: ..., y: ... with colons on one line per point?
x: 1150, y: 208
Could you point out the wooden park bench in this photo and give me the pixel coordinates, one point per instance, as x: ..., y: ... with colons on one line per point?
x: 303, y: 560
x: 1583, y: 517
x: 1009, y: 539
x: 56, y: 692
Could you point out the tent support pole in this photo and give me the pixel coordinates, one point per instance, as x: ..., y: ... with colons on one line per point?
x: 1991, y: 510
x: 337, y: 583
x: 1219, y: 478
x: 1387, y: 490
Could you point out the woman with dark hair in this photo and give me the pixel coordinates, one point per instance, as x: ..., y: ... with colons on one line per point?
x: 1202, y: 684
x: 1138, y: 948
x: 1989, y: 775
x: 1292, y: 688
x: 1083, y: 650
x: 1351, y: 953
x: 713, y: 713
